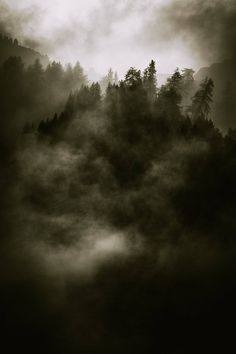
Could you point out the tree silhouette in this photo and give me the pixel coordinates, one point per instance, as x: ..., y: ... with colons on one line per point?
x: 200, y: 107
x: 133, y: 78
x: 187, y: 86
x: 169, y: 96
x: 150, y: 81
x: 107, y: 80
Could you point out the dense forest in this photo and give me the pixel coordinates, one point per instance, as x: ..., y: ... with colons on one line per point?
x: 11, y: 47
x: 117, y: 214
x: 223, y: 106
x: 29, y: 92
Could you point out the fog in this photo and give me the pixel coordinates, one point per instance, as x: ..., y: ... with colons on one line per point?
x: 117, y: 213
x: 98, y: 33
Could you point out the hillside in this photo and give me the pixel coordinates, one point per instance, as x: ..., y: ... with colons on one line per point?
x: 9, y: 48
x: 224, y: 107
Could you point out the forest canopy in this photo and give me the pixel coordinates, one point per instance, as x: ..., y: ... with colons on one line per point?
x: 117, y: 214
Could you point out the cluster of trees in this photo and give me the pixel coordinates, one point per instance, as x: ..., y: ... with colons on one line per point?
x: 132, y: 127
x: 11, y: 47
x: 136, y: 103
x: 28, y: 93
x: 5, y: 40
x: 223, y: 106
x: 109, y: 79
x: 180, y: 96
x: 143, y: 134
x: 142, y: 119
x: 85, y: 99
x: 145, y: 164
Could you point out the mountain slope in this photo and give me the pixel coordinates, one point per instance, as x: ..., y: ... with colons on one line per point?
x: 224, y: 105
x: 9, y: 48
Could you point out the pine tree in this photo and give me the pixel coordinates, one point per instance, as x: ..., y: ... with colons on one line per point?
x: 200, y: 107
x: 55, y: 73
x: 95, y: 92
x: 169, y: 96
x: 35, y: 74
x: 70, y: 105
x: 133, y: 78
x: 150, y: 80
x: 107, y: 80
x: 175, y: 81
x: 79, y: 77
x: 68, y: 77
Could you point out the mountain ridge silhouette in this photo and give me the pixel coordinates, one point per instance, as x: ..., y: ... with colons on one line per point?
x: 12, y: 48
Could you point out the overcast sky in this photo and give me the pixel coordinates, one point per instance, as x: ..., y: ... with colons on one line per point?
x: 105, y: 33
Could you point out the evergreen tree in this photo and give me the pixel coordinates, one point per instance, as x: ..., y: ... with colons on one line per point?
x: 79, y: 77
x: 175, y: 81
x: 13, y: 68
x: 70, y: 105
x: 188, y: 75
x: 150, y: 81
x: 95, y: 92
x: 133, y: 78
x: 112, y: 102
x: 68, y: 77
x: 55, y: 74
x: 35, y: 75
x: 169, y: 96
x: 107, y: 80
x: 200, y: 107
x: 187, y: 86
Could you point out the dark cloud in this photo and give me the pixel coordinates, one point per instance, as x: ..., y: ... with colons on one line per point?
x: 209, y: 27
x: 13, y: 22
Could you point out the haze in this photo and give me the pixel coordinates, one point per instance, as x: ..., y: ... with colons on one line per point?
x: 100, y: 33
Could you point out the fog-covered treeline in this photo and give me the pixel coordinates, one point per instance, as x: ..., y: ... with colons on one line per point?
x: 117, y: 214
x: 30, y: 92
x: 11, y: 47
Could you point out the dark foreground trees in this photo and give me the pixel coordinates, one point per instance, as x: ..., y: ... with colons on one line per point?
x: 202, y: 99
x: 118, y: 222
